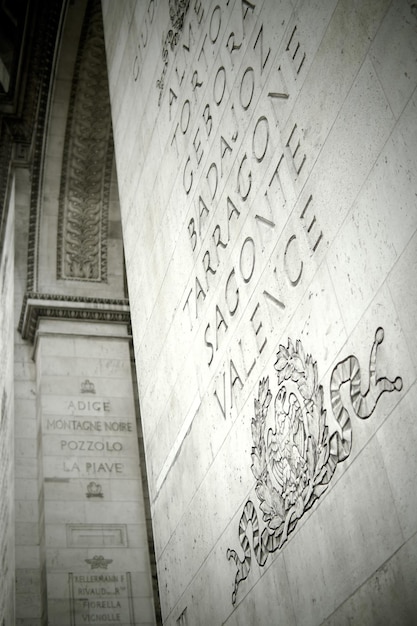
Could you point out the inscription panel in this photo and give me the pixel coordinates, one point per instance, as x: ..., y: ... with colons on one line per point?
x: 261, y: 128
x: 205, y: 174
x: 93, y: 489
x: 96, y: 535
x: 101, y: 598
x: 86, y: 437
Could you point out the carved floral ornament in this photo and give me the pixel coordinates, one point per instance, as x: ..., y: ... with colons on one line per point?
x: 294, y: 456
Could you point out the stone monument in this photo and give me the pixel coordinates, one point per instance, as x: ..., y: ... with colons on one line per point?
x: 208, y: 250
x: 266, y: 153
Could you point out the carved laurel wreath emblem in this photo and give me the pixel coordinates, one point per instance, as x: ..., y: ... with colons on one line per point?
x: 294, y: 456
x: 290, y: 467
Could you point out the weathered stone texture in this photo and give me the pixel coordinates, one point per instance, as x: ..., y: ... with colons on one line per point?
x: 93, y: 500
x: 7, y: 474
x: 30, y: 599
x: 266, y: 157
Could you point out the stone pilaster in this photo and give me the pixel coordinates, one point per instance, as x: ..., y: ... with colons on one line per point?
x: 97, y: 558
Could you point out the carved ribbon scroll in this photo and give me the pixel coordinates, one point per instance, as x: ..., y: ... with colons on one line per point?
x: 295, y: 458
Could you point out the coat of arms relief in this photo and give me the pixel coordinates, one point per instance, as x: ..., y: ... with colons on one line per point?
x: 294, y: 454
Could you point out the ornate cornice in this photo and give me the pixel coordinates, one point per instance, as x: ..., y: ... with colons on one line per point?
x: 73, y: 308
x: 87, y: 161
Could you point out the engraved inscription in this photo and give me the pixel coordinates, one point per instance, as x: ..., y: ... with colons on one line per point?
x: 101, y: 598
x: 90, y: 442
x: 213, y: 228
x: 98, y: 562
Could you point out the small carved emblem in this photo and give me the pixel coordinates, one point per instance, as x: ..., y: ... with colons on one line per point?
x: 294, y: 456
x: 98, y: 562
x: 177, y: 12
x: 88, y: 387
x: 94, y: 490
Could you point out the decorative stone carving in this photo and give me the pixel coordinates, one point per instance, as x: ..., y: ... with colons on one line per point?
x: 94, y: 490
x: 90, y: 536
x: 88, y: 153
x: 177, y: 12
x: 98, y: 562
x: 295, y: 458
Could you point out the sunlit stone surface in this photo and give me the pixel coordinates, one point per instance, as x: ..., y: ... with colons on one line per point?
x: 266, y: 154
x: 207, y: 321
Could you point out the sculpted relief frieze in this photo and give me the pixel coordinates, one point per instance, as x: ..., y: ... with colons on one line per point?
x: 88, y: 153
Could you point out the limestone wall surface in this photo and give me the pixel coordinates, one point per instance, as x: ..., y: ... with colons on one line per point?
x: 266, y: 156
x: 80, y: 246
x: 30, y: 561
x: 7, y: 476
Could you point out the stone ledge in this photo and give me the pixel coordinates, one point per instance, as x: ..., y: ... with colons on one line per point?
x: 55, y: 306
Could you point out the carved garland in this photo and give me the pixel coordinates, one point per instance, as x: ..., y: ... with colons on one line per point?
x: 294, y: 460
x: 87, y: 161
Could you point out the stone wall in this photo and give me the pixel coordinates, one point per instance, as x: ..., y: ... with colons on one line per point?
x: 7, y: 476
x: 266, y: 154
x: 96, y: 546
x: 30, y: 567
